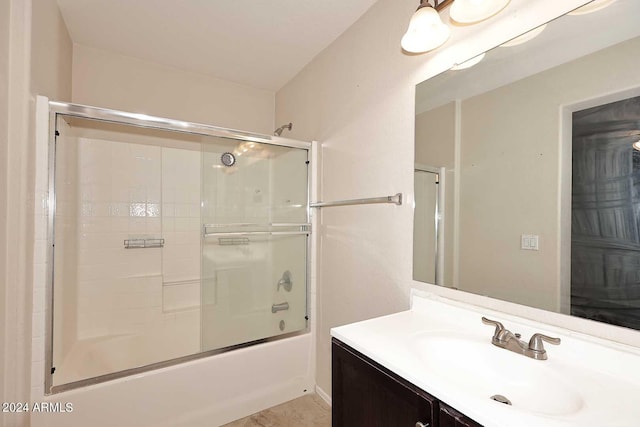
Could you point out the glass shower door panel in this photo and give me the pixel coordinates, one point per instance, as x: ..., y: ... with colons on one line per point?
x: 242, y: 292
x: 122, y: 288
x: 254, y: 251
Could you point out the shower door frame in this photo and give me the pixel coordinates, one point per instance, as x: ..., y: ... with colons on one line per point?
x: 150, y: 122
x: 439, y: 173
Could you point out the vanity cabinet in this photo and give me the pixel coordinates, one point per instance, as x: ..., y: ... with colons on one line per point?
x: 366, y: 394
x: 449, y: 417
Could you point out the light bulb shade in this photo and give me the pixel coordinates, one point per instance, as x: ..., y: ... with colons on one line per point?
x: 594, y: 6
x: 426, y: 31
x: 468, y: 64
x: 471, y: 11
x: 530, y: 35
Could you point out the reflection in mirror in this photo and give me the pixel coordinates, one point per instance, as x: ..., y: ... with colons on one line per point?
x: 605, y: 239
x: 427, y: 214
x: 505, y: 131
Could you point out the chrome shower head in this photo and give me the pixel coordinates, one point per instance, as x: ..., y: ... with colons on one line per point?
x: 278, y: 131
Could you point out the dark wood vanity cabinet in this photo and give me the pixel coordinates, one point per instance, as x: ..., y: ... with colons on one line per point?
x: 366, y: 394
x: 449, y: 417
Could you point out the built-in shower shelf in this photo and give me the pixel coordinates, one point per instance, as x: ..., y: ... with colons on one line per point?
x: 143, y: 243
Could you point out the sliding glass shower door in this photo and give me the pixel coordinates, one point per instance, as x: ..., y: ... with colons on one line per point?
x: 255, y: 230
x: 169, y: 241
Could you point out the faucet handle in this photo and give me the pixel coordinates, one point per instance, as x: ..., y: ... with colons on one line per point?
x: 536, y: 344
x: 499, y: 326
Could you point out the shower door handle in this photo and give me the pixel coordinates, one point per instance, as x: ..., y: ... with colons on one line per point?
x: 279, y: 307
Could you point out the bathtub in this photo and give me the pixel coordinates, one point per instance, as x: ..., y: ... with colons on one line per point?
x: 209, y: 392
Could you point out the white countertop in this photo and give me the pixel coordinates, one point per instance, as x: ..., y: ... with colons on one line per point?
x: 603, y: 376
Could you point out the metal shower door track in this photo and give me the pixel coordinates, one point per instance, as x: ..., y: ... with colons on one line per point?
x: 161, y: 123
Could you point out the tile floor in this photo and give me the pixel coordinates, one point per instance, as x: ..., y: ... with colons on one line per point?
x: 305, y: 411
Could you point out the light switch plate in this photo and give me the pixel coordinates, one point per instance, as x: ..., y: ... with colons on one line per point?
x: 529, y: 242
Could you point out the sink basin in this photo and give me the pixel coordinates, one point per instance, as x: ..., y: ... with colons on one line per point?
x: 483, y: 370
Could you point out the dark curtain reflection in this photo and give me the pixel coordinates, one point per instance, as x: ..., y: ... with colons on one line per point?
x: 605, y: 223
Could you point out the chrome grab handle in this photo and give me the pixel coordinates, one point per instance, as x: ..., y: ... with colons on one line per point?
x: 279, y: 307
x: 536, y: 342
x: 419, y: 424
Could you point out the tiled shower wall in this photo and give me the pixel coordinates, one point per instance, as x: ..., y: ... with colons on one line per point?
x: 119, y: 290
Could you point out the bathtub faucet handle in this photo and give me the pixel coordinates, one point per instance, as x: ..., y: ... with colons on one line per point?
x: 285, y: 281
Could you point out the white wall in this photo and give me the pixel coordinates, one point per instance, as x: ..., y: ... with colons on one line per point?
x: 15, y: 276
x: 32, y: 36
x: 50, y: 53
x: 110, y: 80
x: 357, y: 98
x: 4, y: 143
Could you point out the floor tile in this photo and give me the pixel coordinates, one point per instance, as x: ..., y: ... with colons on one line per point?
x: 305, y: 411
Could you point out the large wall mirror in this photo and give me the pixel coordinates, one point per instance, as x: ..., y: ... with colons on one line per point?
x: 541, y: 198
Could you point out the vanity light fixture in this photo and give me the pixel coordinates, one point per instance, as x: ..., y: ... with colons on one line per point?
x: 594, y: 6
x: 427, y: 31
x: 472, y: 11
x: 530, y: 35
x: 468, y: 64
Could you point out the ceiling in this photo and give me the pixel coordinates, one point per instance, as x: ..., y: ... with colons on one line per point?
x: 259, y: 43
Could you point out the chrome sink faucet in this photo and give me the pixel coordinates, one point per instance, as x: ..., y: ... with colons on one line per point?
x: 504, y: 338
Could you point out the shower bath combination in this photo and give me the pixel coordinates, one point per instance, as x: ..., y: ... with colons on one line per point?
x: 173, y: 241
